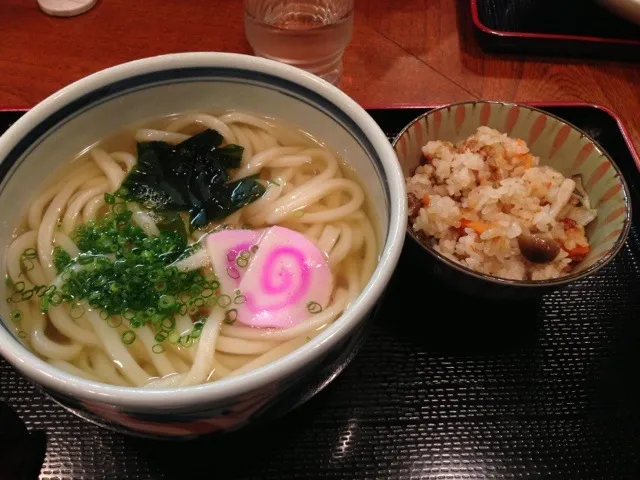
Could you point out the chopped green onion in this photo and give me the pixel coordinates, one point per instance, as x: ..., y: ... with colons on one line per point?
x: 56, y: 299
x: 231, y: 316
x: 314, y: 307
x: 119, y: 208
x: 26, y: 295
x: 206, y: 293
x: 168, y: 324
x: 44, y: 304
x: 224, y: 301
x: 26, y: 265
x: 160, y: 337
x: 123, y: 274
x: 198, y: 302
x: 61, y: 259
x: 114, y: 322
x: 86, y: 260
x: 77, y: 310
x: 242, y: 262
x: 128, y: 337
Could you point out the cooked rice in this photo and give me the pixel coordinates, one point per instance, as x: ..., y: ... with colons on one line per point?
x: 471, y: 201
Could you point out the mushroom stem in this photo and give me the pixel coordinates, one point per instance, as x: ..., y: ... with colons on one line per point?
x: 562, y: 197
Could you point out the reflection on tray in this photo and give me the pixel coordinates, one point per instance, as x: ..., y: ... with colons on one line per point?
x: 21, y: 452
x: 568, y: 27
x: 547, y: 389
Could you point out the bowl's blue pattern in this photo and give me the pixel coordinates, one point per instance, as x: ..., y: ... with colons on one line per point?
x: 217, y: 418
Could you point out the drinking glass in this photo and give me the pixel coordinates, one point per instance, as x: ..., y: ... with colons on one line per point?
x: 308, y: 34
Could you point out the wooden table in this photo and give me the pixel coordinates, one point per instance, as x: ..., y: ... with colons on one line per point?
x: 403, y: 51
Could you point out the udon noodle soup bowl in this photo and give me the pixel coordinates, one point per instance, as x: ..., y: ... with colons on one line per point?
x: 77, y: 117
x: 557, y: 144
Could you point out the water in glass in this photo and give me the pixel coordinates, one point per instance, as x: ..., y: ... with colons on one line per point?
x: 311, y: 35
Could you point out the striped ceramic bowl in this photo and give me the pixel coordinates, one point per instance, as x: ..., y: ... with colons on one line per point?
x: 558, y: 144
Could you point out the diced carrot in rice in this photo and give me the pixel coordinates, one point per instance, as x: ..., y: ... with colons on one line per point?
x: 478, y: 227
x: 579, y: 251
x: 528, y: 161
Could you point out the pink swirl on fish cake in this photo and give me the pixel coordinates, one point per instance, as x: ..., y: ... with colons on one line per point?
x: 287, y: 273
x: 282, y: 278
x: 269, y: 275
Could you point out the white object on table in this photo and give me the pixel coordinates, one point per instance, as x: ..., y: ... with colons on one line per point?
x: 65, y: 8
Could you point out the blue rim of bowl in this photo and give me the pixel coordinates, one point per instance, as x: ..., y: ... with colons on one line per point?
x: 599, y: 264
x: 95, y: 98
x: 260, y: 69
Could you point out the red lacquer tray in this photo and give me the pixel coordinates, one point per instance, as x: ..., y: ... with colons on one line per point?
x: 573, y: 28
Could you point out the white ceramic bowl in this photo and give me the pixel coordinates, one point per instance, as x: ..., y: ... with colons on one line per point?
x: 87, y: 110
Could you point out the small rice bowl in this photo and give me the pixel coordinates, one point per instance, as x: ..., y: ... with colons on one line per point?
x: 488, y: 204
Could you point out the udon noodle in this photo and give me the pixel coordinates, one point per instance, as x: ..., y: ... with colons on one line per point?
x: 308, y: 190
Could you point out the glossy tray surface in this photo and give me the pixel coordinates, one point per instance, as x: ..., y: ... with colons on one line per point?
x: 547, y: 389
x: 580, y: 28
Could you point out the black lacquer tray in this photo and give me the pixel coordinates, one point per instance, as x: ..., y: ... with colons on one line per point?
x: 544, y: 389
x: 571, y: 28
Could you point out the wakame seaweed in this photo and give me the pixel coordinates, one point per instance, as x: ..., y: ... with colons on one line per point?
x: 192, y: 176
